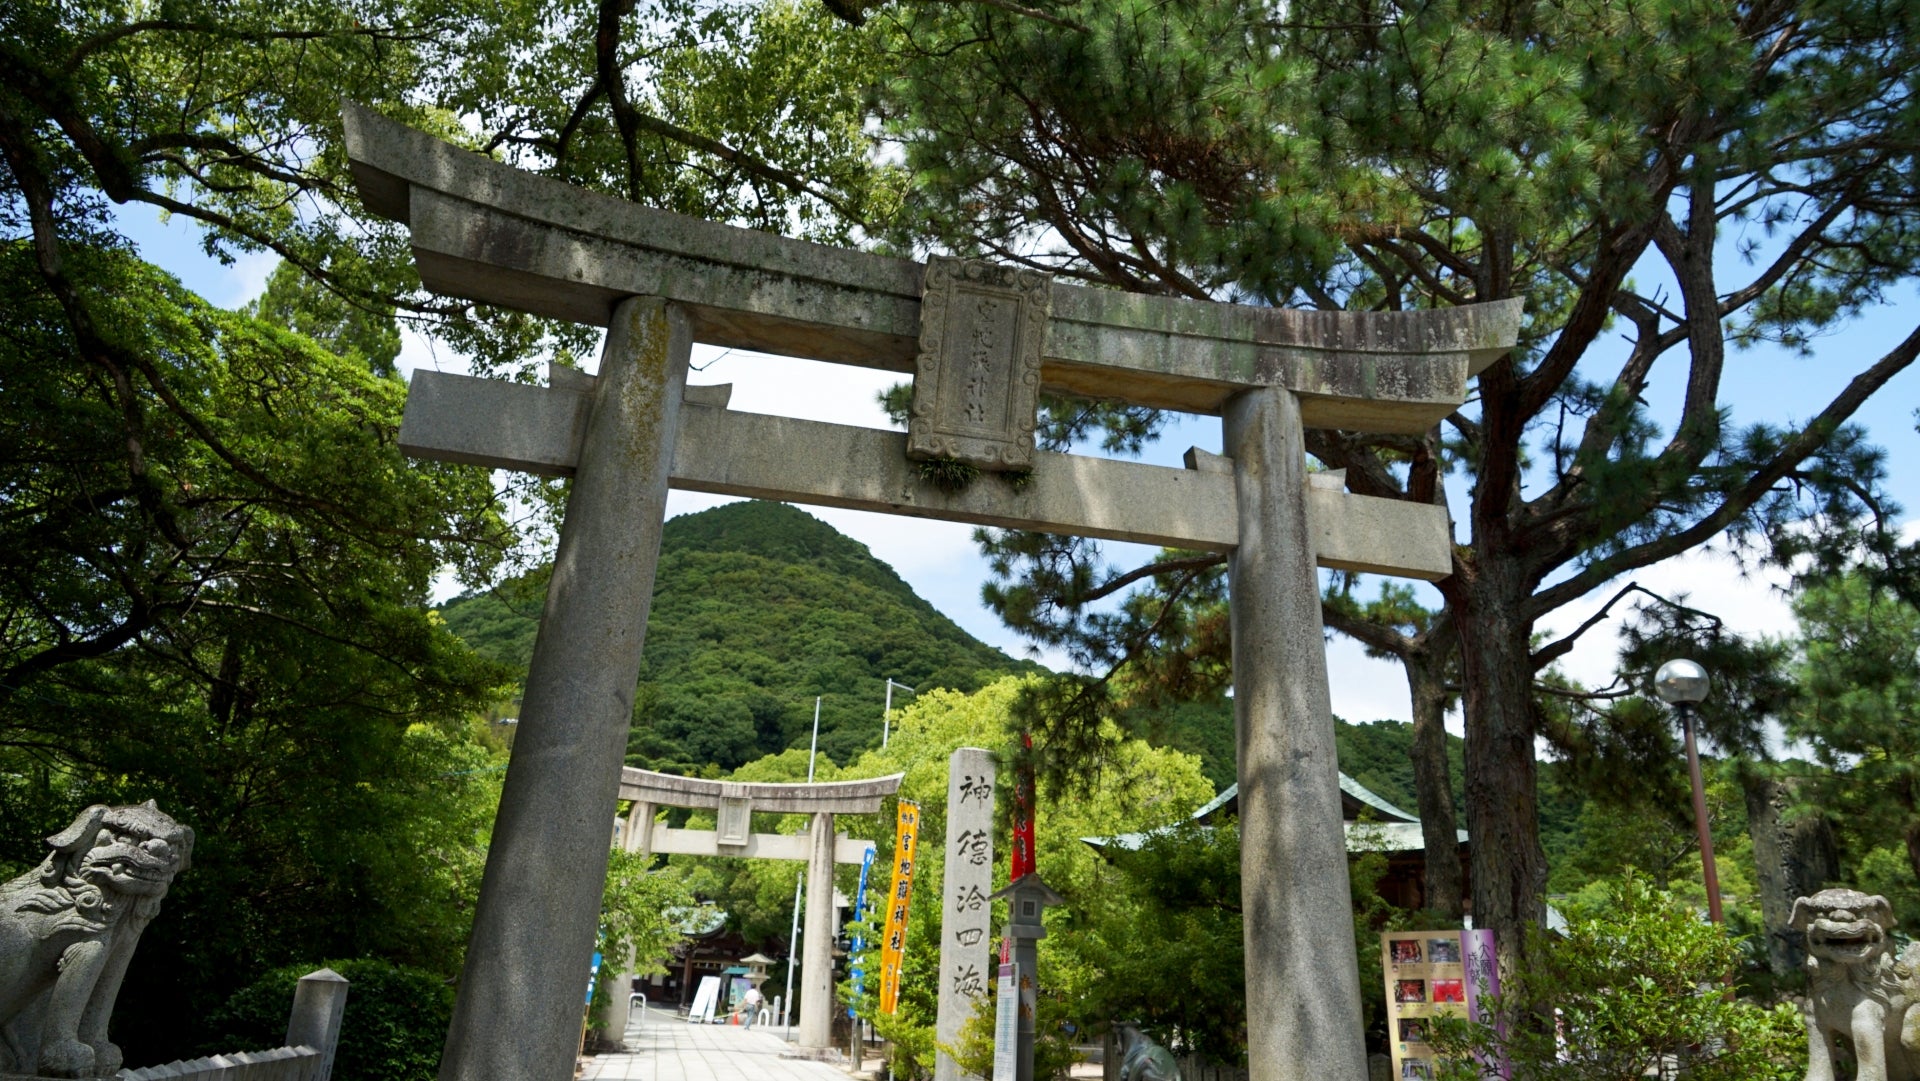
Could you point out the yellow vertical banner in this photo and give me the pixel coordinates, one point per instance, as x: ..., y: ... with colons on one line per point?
x: 906, y: 839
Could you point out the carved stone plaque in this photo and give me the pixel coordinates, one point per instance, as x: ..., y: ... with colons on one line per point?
x: 735, y: 818
x: 976, y: 382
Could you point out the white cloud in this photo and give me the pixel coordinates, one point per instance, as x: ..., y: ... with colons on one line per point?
x: 246, y: 277
x: 1750, y: 604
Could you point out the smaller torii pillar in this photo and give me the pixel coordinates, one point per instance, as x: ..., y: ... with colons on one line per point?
x: 734, y: 803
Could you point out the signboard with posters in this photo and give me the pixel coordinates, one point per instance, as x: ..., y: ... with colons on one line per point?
x: 906, y: 840
x: 1427, y: 975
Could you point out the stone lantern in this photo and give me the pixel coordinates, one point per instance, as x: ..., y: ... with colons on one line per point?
x: 1027, y: 900
x: 756, y: 968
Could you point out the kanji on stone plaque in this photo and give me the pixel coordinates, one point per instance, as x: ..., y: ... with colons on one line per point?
x: 976, y: 381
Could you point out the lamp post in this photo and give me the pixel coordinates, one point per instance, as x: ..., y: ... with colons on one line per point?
x: 1681, y: 684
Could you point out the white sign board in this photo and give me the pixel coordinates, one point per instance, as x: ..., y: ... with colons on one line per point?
x: 705, y: 999
x: 1006, y: 1024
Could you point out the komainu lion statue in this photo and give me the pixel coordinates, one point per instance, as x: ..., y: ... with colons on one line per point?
x: 1143, y: 1060
x: 68, y: 929
x: 1857, y: 989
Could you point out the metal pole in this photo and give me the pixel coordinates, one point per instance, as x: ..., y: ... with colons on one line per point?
x: 815, y: 748
x: 886, y: 718
x: 1707, y: 869
x: 793, y: 947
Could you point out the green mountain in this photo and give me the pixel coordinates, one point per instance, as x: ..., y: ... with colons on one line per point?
x: 757, y: 608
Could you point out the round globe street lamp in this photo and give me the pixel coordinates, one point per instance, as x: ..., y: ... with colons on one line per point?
x: 1681, y: 683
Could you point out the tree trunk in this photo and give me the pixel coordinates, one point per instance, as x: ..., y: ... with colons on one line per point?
x: 1509, y: 865
x: 1793, y: 857
x: 1433, y: 780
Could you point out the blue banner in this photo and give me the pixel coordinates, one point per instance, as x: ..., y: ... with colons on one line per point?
x: 860, y: 913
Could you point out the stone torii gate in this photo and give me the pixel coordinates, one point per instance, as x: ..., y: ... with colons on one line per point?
x: 981, y: 341
x: 733, y: 804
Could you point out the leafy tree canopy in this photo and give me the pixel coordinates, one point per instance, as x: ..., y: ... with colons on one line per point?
x: 213, y: 573
x: 1859, y: 680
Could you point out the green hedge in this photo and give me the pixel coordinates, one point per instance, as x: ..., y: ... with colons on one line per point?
x: 395, y: 1024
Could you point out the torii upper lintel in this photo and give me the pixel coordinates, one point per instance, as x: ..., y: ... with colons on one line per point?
x: 487, y: 231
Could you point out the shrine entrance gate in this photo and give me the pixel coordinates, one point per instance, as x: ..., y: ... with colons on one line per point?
x: 981, y: 342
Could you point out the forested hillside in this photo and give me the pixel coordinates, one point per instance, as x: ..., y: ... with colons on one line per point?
x: 759, y: 607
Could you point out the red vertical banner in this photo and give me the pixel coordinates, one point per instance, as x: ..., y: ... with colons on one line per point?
x: 906, y: 839
x: 1020, y: 855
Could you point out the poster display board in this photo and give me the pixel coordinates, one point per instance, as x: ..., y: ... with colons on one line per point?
x: 906, y: 840
x: 1427, y: 977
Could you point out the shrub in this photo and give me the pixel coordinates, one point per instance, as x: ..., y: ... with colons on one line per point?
x: 1637, y: 989
x: 394, y: 1028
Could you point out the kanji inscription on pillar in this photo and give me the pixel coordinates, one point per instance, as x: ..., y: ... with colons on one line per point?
x: 965, y: 952
x: 976, y: 380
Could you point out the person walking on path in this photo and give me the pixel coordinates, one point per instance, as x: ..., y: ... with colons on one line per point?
x: 752, y: 1003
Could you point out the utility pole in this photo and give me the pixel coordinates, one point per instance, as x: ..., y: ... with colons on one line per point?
x: 886, y: 718
x: 815, y: 748
x: 793, y: 949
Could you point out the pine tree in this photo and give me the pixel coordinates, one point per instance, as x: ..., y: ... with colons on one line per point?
x: 1365, y: 155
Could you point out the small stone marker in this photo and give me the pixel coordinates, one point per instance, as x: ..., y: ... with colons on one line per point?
x: 965, y: 947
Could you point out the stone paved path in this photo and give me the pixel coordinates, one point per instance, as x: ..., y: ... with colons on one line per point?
x: 666, y: 1048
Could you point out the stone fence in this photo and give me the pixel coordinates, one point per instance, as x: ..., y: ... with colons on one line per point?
x: 313, y: 1032
x: 280, y: 1064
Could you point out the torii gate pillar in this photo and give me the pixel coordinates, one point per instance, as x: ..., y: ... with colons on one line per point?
x: 1293, y: 856
x: 816, y: 964
x: 549, y: 851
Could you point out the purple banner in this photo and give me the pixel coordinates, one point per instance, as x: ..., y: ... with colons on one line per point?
x: 1482, y: 965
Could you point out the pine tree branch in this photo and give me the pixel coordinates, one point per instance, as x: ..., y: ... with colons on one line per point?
x: 1375, y: 636
x: 1151, y: 570
x: 1796, y: 450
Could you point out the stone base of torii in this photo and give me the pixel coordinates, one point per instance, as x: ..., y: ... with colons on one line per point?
x: 982, y: 342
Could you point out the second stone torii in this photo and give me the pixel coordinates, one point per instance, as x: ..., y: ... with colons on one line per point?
x: 733, y: 804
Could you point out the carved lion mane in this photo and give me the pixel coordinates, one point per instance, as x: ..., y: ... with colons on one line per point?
x: 68, y: 929
x: 1857, y: 991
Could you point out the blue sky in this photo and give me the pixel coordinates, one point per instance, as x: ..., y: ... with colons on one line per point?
x: 940, y: 562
